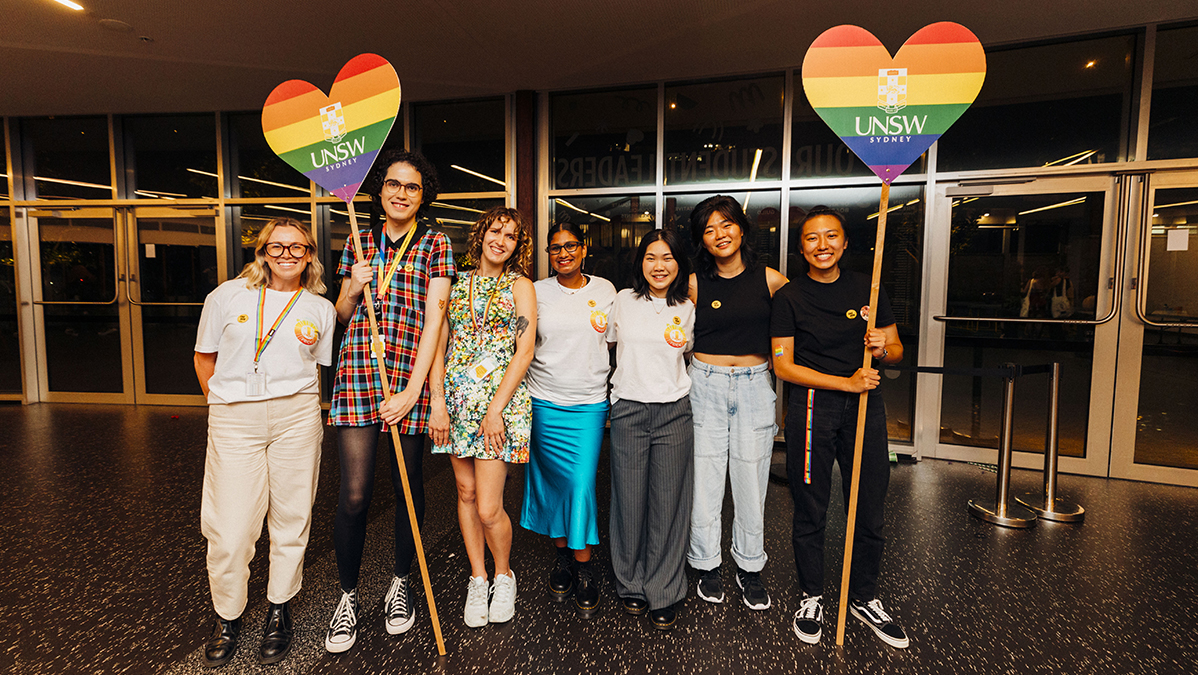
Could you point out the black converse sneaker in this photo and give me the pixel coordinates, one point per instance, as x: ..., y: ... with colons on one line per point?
x: 343, y: 627
x: 398, y: 611
x: 872, y: 614
x: 807, y: 621
x: 754, y: 594
x: 709, y: 588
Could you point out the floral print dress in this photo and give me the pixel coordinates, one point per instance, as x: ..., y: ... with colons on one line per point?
x: 482, y: 344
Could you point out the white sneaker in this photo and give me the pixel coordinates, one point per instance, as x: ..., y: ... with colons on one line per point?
x: 504, y: 597
x: 343, y: 627
x: 475, y: 613
x: 398, y: 612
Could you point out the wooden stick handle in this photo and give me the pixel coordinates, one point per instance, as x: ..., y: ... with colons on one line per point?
x: 377, y: 350
x: 852, y: 508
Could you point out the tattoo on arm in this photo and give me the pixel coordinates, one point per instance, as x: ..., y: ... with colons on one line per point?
x: 522, y: 324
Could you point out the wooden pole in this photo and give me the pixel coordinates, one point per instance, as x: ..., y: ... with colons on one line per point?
x: 377, y: 350
x: 852, y: 508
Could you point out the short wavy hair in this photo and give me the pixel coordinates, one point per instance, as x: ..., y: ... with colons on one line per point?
x: 430, y: 186
x: 521, y: 257
x: 257, y: 273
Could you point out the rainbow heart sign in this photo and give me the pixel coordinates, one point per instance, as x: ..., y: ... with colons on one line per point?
x: 333, y: 140
x: 890, y: 110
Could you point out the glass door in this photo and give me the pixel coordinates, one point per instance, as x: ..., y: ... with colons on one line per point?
x: 1154, y: 425
x: 1028, y: 268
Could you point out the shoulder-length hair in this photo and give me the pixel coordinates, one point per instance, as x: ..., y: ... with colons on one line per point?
x: 706, y: 265
x: 430, y: 186
x: 677, y: 292
x: 522, y: 256
x: 258, y: 273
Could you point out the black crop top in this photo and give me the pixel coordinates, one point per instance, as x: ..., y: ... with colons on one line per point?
x: 733, y: 316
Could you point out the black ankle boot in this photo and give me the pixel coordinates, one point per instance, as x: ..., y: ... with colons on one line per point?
x: 223, y: 643
x: 587, y: 590
x: 562, y: 580
x: 277, y: 635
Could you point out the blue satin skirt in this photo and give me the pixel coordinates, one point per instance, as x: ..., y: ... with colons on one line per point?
x: 560, y: 478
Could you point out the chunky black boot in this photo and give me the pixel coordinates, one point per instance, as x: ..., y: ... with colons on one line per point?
x: 223, y: 643
x: 587, y: 590
x: 562, y: 580
x: 277, y: 635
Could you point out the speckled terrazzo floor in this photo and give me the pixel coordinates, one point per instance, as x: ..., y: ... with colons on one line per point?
x: 102, y: 571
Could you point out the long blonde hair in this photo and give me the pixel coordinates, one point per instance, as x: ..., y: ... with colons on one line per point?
x: 521, y: 257
x: 258, y: 273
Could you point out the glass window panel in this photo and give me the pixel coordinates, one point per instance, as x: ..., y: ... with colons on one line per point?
x: 901, y: 275
x: 730, y: 130
x: 10, y: 346
x: 1173, y: 100
x: 762, y: 210
x: 70, y: 157
x: 604, y: 139
x: 465, y: 141
x: 1166, y: 423
x: 1050, y: 105
x: 257, y: 170
x: 613, y: 226
x: 817, y: 152
x: 161, y: 149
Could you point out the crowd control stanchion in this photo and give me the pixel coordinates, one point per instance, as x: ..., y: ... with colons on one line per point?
x: 999, y: 512
x: 1047, y: 505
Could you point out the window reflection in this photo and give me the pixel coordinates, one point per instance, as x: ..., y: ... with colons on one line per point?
x: 161, y: 149
x: 465, y: 142
x: 255, y: 169
x: 604, y: 139
x: 730, y: 130
x: 612, y: 227
x: 1173, y: 101
x: 70, y: 157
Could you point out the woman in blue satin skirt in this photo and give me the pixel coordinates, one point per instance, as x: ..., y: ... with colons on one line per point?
x: 568, y: 381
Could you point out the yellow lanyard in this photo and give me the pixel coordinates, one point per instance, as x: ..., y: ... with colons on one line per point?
x: 487, y: 307
x: 381, y: 287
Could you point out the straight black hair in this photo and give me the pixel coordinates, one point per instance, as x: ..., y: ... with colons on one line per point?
x: 677, y: 291
x: 568, y: 227
x: 706, y: 265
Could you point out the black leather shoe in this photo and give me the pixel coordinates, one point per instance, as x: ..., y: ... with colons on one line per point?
x: 223, y: 643
x: 634, y: 606
x: 562, y: 580
x: 587, y: 590
x: 277, y: 635
x: 663, y: 619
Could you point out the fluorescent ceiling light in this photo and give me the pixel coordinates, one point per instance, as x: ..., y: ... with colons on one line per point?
x: 753, y: 175
x: 147, y: 193
x: 1167, y: 206
x: 476, y: 173
x: 1053, y: 206
x: 444, y: 205
x: 455, y: 221
x: 898, y: 206
x: 1077, y: 157
x: 286, y: 208
x: 569, y: 205
x: 73, y: 5
x: 63, y: 181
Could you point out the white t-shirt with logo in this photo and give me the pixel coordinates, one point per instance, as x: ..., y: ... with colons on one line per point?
x: 289, y: 364
x: 570, y: 361
x: 651, y: 338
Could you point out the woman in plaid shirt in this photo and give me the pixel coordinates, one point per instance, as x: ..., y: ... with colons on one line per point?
x: 409, y: 277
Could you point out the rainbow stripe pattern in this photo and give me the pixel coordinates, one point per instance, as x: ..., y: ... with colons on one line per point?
x: 888, y: 111
x: 333, y: 140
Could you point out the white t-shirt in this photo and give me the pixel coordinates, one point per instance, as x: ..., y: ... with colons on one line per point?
x: 289, y: 363
x: 651, y: 338
x: 570, y: 361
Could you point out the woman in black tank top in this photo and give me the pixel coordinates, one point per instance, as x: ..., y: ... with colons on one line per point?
x: 732, y: 395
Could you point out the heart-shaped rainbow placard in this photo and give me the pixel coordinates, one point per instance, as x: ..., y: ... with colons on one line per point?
x: 333, y: 140
x: 890, y: 110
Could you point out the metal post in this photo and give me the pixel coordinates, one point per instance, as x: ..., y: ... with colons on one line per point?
x: 1047, y: 505
x: 999, y: 512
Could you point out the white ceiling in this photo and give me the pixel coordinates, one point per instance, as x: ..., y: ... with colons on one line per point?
x: 229, y: 54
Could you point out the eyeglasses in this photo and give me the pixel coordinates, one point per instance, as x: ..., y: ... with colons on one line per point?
x: 276, y: 250
x: 410, y: 189
x: 569, y: 247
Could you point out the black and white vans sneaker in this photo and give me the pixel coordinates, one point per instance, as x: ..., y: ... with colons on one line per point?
x: 807, y: 621
x: 398, y: 611
x: 709, y: 588
x: 872, y: 614
x: 754, y: 594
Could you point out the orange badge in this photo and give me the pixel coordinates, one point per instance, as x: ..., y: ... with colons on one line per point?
x: 306, y: 331
x: 599, y: 321
x: 674, y: 335
x: 864, y: 311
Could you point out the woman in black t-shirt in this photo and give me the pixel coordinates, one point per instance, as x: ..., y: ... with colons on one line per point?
x: 818, y: 329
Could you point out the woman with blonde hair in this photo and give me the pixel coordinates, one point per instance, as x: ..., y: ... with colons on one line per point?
x: 261, y: 339
x: 484, y: 423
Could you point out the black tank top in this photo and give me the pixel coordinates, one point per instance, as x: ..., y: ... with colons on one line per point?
x: 733, y: 316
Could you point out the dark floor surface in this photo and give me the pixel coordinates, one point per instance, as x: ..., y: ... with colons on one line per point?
x: 102, y: 571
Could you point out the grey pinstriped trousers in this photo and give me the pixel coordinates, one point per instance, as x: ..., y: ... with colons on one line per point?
x: 651, y: 451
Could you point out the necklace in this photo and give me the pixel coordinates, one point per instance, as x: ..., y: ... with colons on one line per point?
x: 654, y: 304
x: 572, y: 291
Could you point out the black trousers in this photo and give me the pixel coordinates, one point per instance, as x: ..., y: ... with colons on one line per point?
x: 820, y: 429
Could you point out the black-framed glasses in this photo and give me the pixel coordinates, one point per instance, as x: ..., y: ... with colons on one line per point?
x: 410, y: 189
x: 569, y: 247
x: 276, y: 250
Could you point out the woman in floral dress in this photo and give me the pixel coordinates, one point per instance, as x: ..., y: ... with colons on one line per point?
x: 492, y: 327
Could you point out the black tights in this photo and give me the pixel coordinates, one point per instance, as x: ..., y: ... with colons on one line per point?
x: 357, y: 446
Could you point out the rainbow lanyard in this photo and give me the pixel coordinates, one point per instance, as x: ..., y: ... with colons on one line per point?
x: 487, y: 307
x: 260, y: 342
x: 381, y: 248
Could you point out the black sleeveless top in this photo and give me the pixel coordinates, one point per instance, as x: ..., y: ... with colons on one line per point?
x: 733, y: 316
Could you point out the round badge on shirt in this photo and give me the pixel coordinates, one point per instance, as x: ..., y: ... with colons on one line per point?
x: 243, y: 318
x: 850, y: 314
x: 306, y: 331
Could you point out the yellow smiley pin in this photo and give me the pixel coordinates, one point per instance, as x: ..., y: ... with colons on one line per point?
x: 408, y: 267
x: 591, y: 303
x: 676, y: 320
x: 850, y: 314
x: 243, y: 318
x: 716, y: 304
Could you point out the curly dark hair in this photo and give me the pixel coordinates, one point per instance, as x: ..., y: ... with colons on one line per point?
x: 706, y: 265
x: 429, y: 179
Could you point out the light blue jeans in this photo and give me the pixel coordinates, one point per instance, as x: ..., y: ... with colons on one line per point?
x: 734, y: 415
